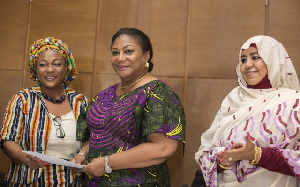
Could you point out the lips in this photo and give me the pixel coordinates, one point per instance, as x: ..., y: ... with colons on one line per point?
x: 249, y: 73
x: 122, y: 67
x: 50, y: 78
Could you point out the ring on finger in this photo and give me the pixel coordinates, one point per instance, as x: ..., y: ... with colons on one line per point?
x: 230, y: 159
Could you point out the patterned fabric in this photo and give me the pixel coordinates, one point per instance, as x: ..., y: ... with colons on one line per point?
x: 50, y: 43
x: 269, y: 116
x: 116, y: 124
x: 27, y: 122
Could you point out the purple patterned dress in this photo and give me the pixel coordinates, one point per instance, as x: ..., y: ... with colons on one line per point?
x: 118, y: 123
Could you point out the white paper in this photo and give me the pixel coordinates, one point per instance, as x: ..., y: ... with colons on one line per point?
x: 53, y: 160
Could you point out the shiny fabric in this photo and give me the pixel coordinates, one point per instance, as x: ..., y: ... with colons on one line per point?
x: 118, y: 123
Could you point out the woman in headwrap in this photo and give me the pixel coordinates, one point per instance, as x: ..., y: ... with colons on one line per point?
x: 43, y: 119
x: 254, y: 139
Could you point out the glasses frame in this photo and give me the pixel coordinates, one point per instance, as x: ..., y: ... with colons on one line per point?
x: 60, y: 133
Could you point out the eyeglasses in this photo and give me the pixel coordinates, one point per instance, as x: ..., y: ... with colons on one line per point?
x: 60, y: 133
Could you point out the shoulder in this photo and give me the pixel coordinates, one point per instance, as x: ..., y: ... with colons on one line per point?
x: 161, y: 85
x: 75, y: 95
x: 28, y: 91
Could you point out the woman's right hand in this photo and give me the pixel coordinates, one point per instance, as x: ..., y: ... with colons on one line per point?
x: 238, y: 152
x: 34, y: 162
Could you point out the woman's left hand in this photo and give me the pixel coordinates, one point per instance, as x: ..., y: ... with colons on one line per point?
x: 95, y: 167
x: 237, y: 152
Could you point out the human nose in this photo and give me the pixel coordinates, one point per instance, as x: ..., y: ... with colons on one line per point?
x: 49, y: 67
x: 249, y: 63
x: 121, y: 57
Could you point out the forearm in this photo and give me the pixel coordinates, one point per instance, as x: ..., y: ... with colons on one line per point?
x: 143, y: 155
x: 273, y: 160
x: 85, y: 147
x: 13, y: 151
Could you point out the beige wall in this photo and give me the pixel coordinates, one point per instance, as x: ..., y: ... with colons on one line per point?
x: 196, y: 44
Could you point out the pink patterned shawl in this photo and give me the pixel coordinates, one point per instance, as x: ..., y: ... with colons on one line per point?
x: 270, y: 116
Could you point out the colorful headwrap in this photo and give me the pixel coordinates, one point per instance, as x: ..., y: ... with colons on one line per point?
x: 50, y: 43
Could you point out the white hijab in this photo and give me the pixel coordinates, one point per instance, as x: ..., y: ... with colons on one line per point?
x: 269, y: 116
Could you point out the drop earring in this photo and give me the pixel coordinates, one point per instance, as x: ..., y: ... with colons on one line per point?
x: 147, y: 65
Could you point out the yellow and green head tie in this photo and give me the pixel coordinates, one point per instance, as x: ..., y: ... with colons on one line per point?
x: 50, y: 43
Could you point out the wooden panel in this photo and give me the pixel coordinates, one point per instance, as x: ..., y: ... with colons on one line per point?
x: 167, y: 27
x: 156, y: 19
x: 4, y: 162
x: 82, y: 84
x: 113, y: 16
x: 284, y: 26
x: 13, y: 29
x: 217, y: 31
x: 73, y: 21
x: 204, y: 98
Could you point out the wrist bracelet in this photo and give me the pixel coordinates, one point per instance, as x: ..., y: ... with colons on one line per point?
x: 81, y: 154
x: 257, y: 156
x: 107, y: 168
x: 224, y: 167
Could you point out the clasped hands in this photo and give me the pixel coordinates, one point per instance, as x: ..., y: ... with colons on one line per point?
x: 94, y: 168
x: 238, y: 151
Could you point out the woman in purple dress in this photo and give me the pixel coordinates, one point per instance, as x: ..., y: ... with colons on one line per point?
x: 135, y: 125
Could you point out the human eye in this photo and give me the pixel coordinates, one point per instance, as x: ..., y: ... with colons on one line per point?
x: 256, y: 57
x: 57, y: 64
x: 115, y: 53
x: 43, y: 64
x: 128, y: 51
x: 243, y: 60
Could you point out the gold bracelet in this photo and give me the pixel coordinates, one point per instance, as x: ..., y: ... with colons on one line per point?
x: 257, y: 156
x: 224, y: 167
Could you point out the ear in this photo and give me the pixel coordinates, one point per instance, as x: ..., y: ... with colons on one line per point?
x: 147, y: 56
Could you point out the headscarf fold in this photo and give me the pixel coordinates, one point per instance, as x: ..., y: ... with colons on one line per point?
x: 51, y: 43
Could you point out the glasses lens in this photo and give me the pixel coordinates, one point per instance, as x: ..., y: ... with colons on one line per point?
x: 60, y: 133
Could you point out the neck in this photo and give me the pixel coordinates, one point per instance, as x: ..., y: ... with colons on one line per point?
x: 263, y: 84
x: 136, y: 81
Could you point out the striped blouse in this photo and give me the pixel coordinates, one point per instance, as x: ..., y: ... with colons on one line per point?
x: 27, y: 122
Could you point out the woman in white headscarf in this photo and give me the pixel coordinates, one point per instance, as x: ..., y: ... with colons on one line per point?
x: 254, y: 138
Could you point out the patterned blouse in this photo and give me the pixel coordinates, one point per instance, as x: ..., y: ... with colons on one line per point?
x: 118, y: 123
x: 27, y: 122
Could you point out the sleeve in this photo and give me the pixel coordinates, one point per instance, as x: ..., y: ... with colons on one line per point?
x: 82, y: 131
x: 12, y: 125
x: 164, y: 113
x: 272, y: 160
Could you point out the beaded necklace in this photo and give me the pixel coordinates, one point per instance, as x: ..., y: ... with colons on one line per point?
x: 53, y: 100
x: 123, y: 87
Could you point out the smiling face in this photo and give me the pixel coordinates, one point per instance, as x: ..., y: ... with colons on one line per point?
x: 128, y: 59
x: 51, y: 70
x: 253, y: 67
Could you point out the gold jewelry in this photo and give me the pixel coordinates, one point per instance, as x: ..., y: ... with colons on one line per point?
x: 123, y: 87
x: 224, y: 167
x: 257, y: 156
x: 147, y: 65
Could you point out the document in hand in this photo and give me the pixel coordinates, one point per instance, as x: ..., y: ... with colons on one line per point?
x: 53, y: 160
